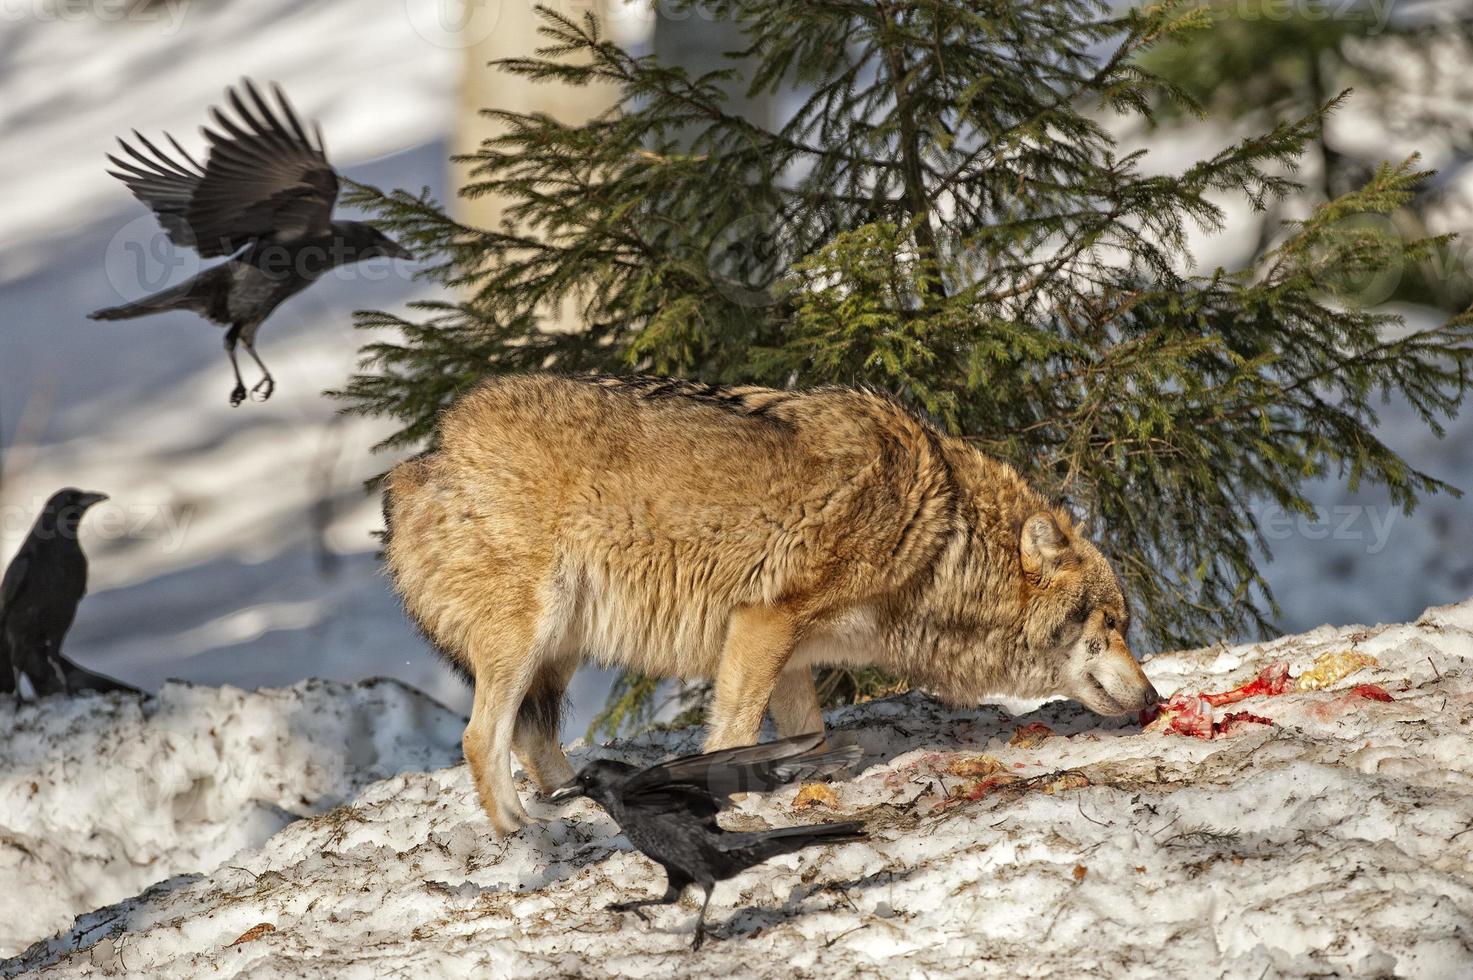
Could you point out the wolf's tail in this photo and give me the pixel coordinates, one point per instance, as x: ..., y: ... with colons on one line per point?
x: 758, y: 846
x: 399, y: 483
x: 174, y: 298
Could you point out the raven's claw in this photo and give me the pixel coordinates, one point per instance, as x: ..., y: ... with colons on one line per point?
x: 628, y: 907
x: 265, y: 387
x: 237, y: 396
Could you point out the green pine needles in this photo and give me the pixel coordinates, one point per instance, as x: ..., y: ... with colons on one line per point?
x: 945, y: 214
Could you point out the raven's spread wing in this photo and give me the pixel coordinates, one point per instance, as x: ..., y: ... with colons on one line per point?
x: 748, y: 769
x: 165, y: 184
x: 263, y: 178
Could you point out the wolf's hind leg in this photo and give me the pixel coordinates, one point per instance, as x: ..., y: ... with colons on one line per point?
x: 794, y: 704
x: 535, y: 737
x: 503, y: 672
x: 758, y: 644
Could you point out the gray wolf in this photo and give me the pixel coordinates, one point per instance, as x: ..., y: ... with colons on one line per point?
x: 741, y: 534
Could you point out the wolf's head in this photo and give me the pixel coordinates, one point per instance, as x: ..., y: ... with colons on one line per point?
x: 1076, y: 619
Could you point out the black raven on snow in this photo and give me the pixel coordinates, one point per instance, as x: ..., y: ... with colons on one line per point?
x: 668, y: 811
x: 264, y: 197
x: 38, y: 600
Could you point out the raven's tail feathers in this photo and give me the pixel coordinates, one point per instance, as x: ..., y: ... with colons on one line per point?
x: 812, y: 765
x: 72, y: 677
x: 174, y: 298
x: 760, y: 845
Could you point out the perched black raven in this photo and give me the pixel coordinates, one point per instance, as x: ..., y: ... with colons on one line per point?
x: 263, y: 197
x: 668, y: 811
x: 38, y: 600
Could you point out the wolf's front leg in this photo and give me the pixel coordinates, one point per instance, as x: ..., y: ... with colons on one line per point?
x: 759, y: 642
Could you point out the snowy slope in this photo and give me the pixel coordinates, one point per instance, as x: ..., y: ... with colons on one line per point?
x: 102, y: 796
x: 1332, y: 842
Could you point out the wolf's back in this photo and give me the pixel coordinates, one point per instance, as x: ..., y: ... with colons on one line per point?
x: 632, y: 517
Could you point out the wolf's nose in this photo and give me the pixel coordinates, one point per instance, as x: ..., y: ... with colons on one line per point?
x: 1151, y: 697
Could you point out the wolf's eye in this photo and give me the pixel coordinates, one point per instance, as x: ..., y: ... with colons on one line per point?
x: 1110, y: 622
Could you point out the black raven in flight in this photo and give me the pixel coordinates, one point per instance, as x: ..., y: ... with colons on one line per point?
x: 264, y: 197
x: 38, y: 600
x: 668, y: 811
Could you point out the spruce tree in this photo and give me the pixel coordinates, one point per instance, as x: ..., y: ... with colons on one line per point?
x: 1264, y: 60
x: 945, y: 214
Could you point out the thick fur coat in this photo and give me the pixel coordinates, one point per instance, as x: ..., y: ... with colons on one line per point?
x: 742, y: 534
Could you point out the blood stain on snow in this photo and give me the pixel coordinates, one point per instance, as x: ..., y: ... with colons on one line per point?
x: 1031, y: 735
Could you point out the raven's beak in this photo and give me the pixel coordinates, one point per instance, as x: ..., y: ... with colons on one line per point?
x: 567, y: 791
x: 90, y: 499
x: 396, y: 251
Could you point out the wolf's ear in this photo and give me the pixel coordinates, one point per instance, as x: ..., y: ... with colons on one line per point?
x: 1041, y: 544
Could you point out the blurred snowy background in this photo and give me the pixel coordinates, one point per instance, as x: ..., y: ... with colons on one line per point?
x: 238, y: 546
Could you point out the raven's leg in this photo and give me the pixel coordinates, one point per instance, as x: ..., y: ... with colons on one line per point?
x: 535, y: 738
x: 759, y: 641
x: 9, y: 669
x: 231, y: 337
x: 45, y: 673
x: 267, y: 382
x: 701, y: 920
x: 675, y: 884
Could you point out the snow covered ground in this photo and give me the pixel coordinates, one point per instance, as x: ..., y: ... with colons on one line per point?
x: 1337, y: 840
x: 102, y: 797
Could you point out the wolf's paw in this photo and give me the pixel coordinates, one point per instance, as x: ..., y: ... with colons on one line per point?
x: 509, y: 819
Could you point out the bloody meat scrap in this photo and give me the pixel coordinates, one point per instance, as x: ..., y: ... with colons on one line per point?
x: 1271, y: 680
x: 1191, y: 714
